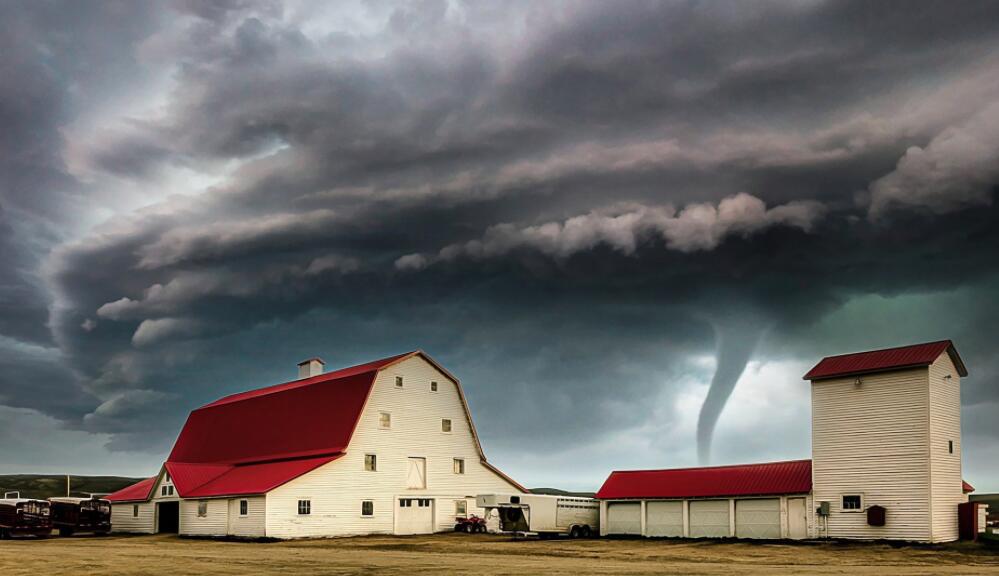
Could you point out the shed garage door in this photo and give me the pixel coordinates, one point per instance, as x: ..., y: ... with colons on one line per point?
x: 414, y: 516
x: 624, y: 518
x: 709, y: 519
x: 664, y: 519
x: 758, y: 518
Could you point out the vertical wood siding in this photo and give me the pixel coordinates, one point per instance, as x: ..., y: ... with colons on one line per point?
x: 123, y: 521
x: 872, y: 440
x: 945, y: 468
x: 337, y: 489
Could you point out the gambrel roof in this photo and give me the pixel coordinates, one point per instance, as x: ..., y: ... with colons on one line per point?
x: 253, y: 442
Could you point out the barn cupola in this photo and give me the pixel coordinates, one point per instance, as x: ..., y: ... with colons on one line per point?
x: 311, y: 367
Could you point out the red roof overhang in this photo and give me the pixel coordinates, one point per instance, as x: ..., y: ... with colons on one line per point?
x: 859, y: 363
x: 774, y: 478
x: 138, y: 492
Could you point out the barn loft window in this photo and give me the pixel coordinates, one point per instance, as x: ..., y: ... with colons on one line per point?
x: 459, y: 465
x: 367, y: 508
x: 304, y: 507
x: 162, y: 490
x: 244, y: 507
x: 460, y: 507
x: 852, y: 502
x: 433, y: 386
x: 950, y: 446
x: 446, y: 425
x: 202, y: 508
x: 385, y: 420
x: 398, y: 381
x: 135, y: 510
x: 167, y: 476
x: 371, y: 462
x: 169, y: 490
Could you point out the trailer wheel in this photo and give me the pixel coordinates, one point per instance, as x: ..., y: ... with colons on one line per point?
x: 65, y: 531
x: 574, y: 532
x: 3, y: 534
x: 585, y: 531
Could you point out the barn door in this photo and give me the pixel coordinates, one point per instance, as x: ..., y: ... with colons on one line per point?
x: 797, y: 518
x: 417, y: 477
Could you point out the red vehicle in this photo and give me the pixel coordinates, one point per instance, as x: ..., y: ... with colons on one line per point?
x: 23, y: 516
x: 71, y: 515
x: 470, y: 525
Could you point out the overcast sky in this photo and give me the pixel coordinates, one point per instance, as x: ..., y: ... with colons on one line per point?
x: 586, y: 211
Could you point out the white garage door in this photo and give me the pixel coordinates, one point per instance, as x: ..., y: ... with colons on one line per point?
x: 664, y: 519
x: 709, y: 519
x: 414, y: 516
x: 624, y: 518
x: 758, y: 518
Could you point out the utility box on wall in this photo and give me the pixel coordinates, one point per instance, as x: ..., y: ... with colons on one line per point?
x: 876, y: 515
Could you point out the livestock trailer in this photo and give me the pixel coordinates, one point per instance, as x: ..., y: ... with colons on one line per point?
x: 543, y: 515
x: 24, y: 516
x: 71, y: 515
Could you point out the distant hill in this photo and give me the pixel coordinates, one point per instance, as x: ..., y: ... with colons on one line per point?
x: 47, y: 486
x: 557, y: 492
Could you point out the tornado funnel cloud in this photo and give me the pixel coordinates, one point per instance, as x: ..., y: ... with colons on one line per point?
x: 735, y: 347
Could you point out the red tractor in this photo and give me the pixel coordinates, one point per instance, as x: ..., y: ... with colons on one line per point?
x: 470, y: 525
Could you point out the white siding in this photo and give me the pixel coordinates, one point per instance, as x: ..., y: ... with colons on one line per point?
x: 337, y: 489
x: 214, y: 523
x: 122, y: 519
x: 872, y: 440
x: 253, y: 524
x: 945, y: 468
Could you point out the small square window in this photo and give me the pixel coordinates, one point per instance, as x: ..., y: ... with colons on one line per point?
x: 202, y: 508
x: 244, y: 507
x: 446, y: 425
x: 852, y: 502
x: 371, y: 462
x: 398, y: 381
x: 459, y: 465
x: 135, y: 510
x: 163, y: 490
x: 304, y: 507
x: 367, y: 508
x: 950, y: 446
x: 433, y: 386
x: 385, y: 420
x: 460, y: 507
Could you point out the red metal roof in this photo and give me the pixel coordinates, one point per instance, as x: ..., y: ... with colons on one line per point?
x: 253, y: 442
x: 888, y: 359
x: 793, y: 477
x: 140, y: 491
x: 967, y: 487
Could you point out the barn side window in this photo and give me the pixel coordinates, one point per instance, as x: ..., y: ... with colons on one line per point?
x: 163, y: 490
x: 459, y: 465
x: 135, y: 510
x: 367, y: 508
x: 398, y: 381
x: 433, y: 386
x: 202, y: 508
x: 446, y: 425
x: 371, y: 462
x: 244, y: 507
x: 460, y: 507
x: 950, y: 446
x: 304, y: 507
x: 852, y: 502
x: 385, y: 420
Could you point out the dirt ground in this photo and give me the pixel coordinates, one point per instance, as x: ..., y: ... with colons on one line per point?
x: 479, y: 554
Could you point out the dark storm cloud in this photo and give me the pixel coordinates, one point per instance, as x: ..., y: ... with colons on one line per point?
x: 570, y: 206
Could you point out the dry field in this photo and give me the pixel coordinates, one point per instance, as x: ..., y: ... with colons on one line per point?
x: 485, y: 555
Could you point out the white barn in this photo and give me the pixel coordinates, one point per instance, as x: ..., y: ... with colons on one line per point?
x: 886, y: 463
x: 387, y: 447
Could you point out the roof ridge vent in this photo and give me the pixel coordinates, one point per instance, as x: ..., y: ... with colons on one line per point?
x: 311, y: 367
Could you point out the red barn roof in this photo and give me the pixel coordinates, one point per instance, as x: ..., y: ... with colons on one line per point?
x: 253, y: 442
x: 966, y: 488
x: 139, y: 492
x: 882, y: 360
x: 793, y: 477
